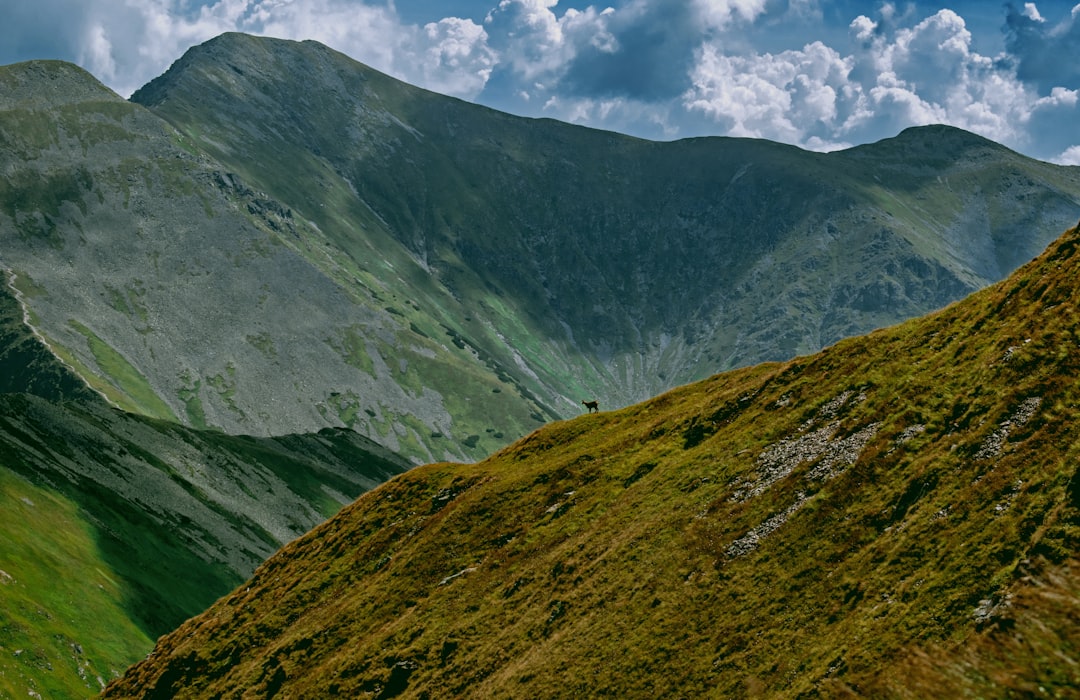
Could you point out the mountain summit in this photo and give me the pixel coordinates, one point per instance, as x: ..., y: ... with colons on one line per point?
x: 796, y: 529
x: 274, y: 238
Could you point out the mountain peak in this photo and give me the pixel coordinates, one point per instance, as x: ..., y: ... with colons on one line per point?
x: 935, y: 145
x: 45, y: 84
x: 234, y: 60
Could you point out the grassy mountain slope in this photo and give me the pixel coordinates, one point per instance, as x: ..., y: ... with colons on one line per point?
x: 609, y: 265
x: 793, y: 529
x: 117, y: 527
x: 1029, y: 651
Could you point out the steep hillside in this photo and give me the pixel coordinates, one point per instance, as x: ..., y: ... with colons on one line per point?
x: 609, y: 265
x: 807, y: 528
x: 117, y: 527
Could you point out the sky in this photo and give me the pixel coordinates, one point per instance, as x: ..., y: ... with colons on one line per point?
x: 819, y: 74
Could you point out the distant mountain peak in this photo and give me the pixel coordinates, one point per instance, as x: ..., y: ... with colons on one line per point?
x: 44, y: 84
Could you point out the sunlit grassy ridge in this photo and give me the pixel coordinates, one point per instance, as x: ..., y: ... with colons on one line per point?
x: 793, y: 529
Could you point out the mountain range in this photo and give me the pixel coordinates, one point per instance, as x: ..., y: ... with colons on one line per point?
x: 276, y: 278
x: 895, y: 516
x: 272, y: 238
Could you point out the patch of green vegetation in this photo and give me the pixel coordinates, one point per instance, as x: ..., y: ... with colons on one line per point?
x: 264, y: 343
x: 347, y: 405
x: 193, y: 407
x: 130, y: 301
x: 411, y: 434
x: 129, y: 171
x: 467, y: 396
x: 34, y: 133
x: 97, y: 121
x: 64, y: 625
x: 353, y: 348
x: 225, y: 385
x: 126, y: 386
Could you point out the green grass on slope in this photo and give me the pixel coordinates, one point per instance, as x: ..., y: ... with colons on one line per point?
x: 64, y: 623
x: 129, y: 389
x: 138, y: 487
x: 789, y: 529
x: 1030, y: 650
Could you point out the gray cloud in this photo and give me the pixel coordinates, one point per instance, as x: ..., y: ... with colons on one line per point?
x: 45, y: 29
x: 1045, y: 54
x: 648, y: 55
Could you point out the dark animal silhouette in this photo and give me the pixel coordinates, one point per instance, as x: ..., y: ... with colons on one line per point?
x: 592, y: 406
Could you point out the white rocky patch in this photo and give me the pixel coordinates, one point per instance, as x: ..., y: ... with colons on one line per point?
x: 749, y: 542
x: 991, y: 447
x: 781, y: 458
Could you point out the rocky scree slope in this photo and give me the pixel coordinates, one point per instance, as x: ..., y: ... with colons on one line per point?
x: 117, y: 526
x: 164, y: 283
x: 607, y: 265
x: 798, y: 529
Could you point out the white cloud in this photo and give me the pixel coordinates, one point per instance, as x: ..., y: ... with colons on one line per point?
x: 457, y: 60
x: 787, y: 97
x: 898, y: 76
x: 1070, y: 156
x: 538, y: 45
x: 718, y: 14
x: 863, y: 28
x: 97, y: 53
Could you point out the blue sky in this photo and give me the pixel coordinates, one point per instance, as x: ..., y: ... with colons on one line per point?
x: 818, y: 74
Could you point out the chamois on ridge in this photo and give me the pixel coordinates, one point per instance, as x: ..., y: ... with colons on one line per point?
x: 592, y: 406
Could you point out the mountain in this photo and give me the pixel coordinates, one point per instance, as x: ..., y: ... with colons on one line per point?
x: 851, y: 523
x: 272, y: 238
x: 117, y: 526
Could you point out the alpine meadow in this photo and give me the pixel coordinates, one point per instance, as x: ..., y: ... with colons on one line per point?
x: 338, y: 387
